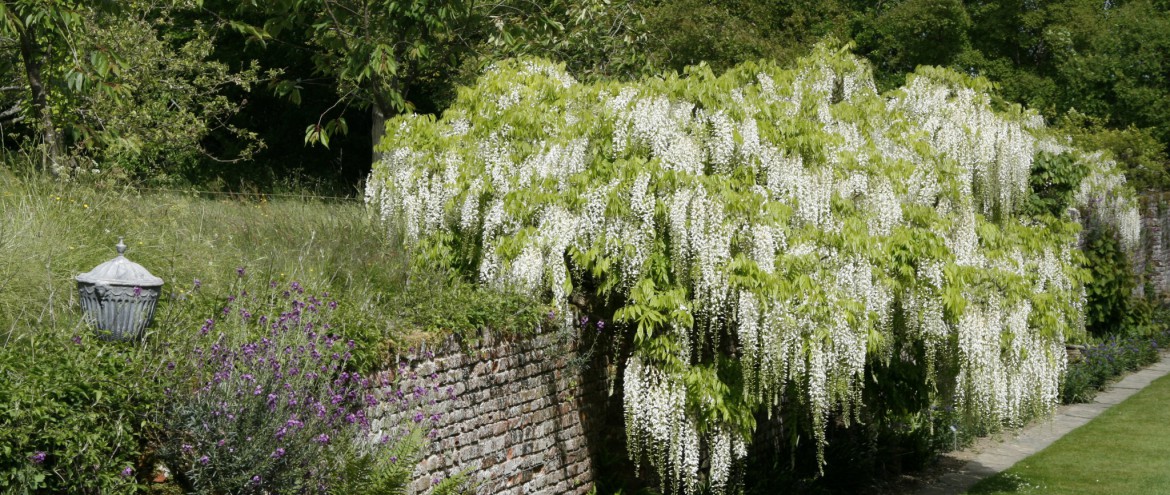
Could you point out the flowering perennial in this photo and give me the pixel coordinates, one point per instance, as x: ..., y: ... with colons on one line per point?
x: 267, y: 405
x: 767, y: 231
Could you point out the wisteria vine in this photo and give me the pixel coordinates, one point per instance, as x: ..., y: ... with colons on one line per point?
x: 767, y: 231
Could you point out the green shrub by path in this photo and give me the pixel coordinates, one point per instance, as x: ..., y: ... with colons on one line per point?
x: 1124, y: 450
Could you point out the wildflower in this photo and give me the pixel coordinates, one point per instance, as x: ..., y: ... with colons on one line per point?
x: 322, y: 439
x: 240, y: 271
x: 278, y: 453
x: 256, y: 480
x: 198, y: 283
x: 127, y: 472
x: 37, y: 457
x: 204, y: 460
x: 76, y: 339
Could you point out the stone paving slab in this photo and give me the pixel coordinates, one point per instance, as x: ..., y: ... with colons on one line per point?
x: 992, y: 456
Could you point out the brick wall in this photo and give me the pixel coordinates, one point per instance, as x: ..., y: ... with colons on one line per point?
x: 515, y: 425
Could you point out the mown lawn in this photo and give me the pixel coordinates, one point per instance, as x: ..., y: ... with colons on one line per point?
x: 1126, y: 450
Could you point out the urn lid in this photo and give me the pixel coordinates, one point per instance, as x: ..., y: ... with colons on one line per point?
x: 120, y: 271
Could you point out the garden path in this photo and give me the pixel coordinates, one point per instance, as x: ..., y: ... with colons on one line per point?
x: 991, y: 455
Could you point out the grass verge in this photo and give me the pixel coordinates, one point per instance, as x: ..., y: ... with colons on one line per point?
x: 1124, y: 450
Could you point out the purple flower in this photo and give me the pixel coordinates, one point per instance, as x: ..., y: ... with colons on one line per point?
x: 600, y: 325
x: 240, y: 271
x: 198, y: 283
x: 186, y: 448
x: 76, y: 339
x: 137, y: 292
x: 322, y: 439
x: 37, y: 457
x: 127, y: 472
x: 256, y: 479
x: 278, y: 453
x: 204, y: 460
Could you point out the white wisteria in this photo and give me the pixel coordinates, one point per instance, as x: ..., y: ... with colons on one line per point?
x: 795, y: 222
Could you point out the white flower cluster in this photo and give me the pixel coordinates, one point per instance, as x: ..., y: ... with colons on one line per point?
x: 655, y: 411
x: 1101, y: 195
x: 994, y: 152
x: 1006, y: 382
x: 774, y: 213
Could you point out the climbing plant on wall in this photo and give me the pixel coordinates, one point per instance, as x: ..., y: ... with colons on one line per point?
x: 765, y: 233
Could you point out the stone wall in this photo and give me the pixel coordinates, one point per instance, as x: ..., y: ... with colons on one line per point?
x: 1153, y: 259
x: 515, y: 424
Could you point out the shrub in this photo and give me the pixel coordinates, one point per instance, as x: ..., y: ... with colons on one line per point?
x: 264, y: 403
x: 74, y: 412
x: 1105, y: 360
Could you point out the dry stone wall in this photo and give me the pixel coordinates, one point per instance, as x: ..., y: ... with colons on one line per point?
x: 515, y: 424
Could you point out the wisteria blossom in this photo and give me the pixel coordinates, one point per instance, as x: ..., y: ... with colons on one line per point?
x: 787, y: 219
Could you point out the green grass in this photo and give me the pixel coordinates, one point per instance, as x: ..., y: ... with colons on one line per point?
x: 1124, y: 450
x: 51, y: 232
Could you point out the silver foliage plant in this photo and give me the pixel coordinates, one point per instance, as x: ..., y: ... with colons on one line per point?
x: 791, y: 212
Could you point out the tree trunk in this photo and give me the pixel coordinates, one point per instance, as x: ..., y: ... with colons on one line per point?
x: 53, y: 160
x: 377, y: 130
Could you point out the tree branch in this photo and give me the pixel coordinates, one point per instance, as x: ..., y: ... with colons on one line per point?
x: 13, y: 114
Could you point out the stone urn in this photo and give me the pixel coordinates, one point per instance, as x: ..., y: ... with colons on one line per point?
x: 118, y: 297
